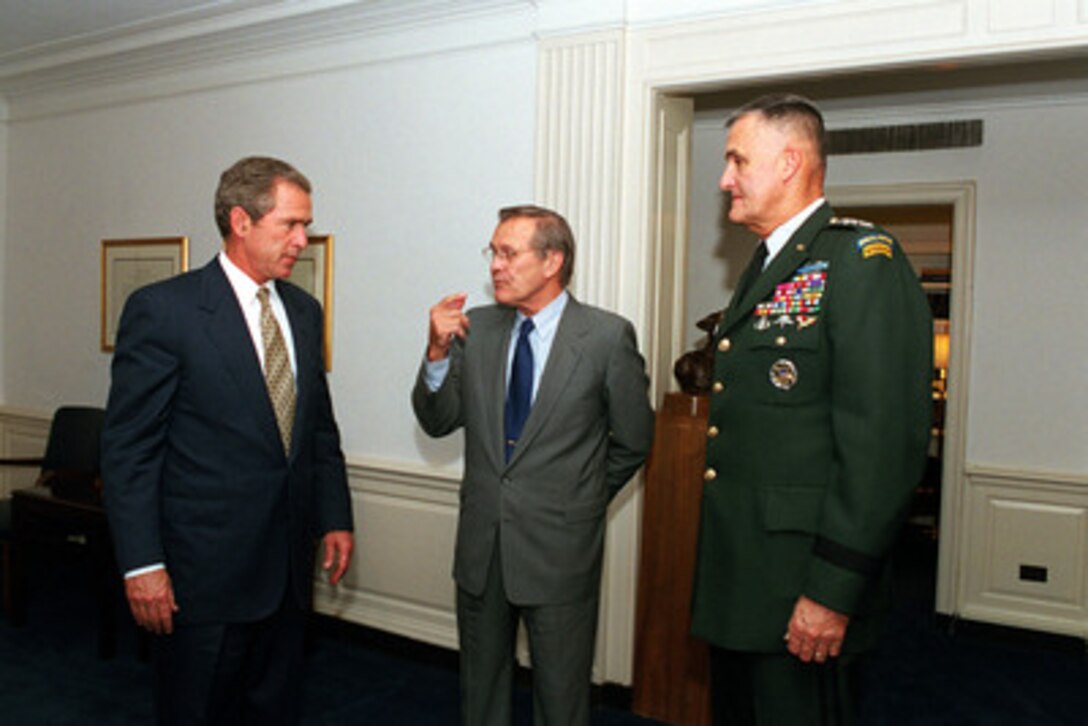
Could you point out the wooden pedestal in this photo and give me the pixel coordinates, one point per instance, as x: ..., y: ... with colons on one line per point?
x: 671, y: 679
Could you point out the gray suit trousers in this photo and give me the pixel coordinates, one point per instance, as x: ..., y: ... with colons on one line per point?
x: 561, y: 644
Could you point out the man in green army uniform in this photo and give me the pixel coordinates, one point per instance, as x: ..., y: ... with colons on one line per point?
x: 819, y: 422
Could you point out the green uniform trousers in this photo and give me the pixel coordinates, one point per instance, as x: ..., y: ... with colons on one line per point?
x: 777, y: 689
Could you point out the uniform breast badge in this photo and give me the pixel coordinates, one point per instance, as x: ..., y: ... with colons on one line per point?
x: 798, y: 298
x: 783, y: 374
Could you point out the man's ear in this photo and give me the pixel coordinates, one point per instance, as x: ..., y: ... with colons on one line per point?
x: 792, y: 160
x: 553, y: 263
x: 240, y: 222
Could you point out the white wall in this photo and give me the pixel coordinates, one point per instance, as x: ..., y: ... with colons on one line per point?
x: 410, y: 158
x: 1027, y: 408
x: 4, y: 171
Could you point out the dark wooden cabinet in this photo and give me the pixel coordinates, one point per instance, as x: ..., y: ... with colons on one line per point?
x: 671, y: 679
x: 49, y: 526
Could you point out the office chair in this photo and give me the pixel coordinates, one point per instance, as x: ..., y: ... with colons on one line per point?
x: 70, y: 467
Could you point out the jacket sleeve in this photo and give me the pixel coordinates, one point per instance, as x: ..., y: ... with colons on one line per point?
x: 881, y: 362
x: 145, y: 373
x: 630, y: 418
x: 440, y: 412
x: 332, y: 494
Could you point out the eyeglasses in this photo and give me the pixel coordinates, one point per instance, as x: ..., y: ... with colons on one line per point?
x: 505, y: 254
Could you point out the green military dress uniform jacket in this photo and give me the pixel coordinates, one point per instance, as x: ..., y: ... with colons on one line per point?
x: 818, y: 427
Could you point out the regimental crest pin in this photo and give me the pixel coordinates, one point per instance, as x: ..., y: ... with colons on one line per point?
x: 783, y: 374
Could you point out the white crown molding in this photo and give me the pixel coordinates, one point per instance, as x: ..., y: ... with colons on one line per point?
x: 220, y: 49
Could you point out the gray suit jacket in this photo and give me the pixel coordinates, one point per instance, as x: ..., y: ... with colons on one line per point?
x: 590, y: 429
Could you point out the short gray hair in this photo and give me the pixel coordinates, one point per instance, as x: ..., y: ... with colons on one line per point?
x: 789, y: 109
x: 552, y: 233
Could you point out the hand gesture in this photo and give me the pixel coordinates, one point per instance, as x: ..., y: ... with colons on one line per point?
x: 447, y: 320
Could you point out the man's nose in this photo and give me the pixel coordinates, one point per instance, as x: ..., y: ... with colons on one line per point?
x: 726, y: 181
x: 300, y: 238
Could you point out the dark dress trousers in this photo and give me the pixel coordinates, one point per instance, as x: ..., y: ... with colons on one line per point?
x: 818, y: 427
x: 195, y: 475
x: 540, y: 518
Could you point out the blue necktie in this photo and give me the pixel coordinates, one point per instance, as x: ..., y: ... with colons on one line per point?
x: 519, y: 396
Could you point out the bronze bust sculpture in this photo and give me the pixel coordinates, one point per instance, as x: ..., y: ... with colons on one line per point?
x: 695, y: 369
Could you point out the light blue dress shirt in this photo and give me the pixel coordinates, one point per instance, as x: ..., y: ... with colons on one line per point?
x: 546, y: 323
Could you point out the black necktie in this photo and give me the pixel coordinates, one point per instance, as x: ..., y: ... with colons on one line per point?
x: 752, y: 272
x: 519, y: 396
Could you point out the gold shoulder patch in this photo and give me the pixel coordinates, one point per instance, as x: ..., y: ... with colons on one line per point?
x: 875, y: 244
x: 850, y: 222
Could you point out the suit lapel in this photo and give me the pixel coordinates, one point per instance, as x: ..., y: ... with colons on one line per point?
x: 788, y: 259
x: 494, y: 345
x: 226, y: 327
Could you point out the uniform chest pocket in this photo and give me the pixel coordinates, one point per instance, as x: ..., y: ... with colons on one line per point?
x: 793, y: 360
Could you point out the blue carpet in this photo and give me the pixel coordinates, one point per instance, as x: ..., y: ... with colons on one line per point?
x: 924, y: 673
x: 50, y: 672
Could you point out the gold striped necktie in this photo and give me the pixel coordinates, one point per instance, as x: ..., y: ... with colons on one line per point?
x: 277, y: 370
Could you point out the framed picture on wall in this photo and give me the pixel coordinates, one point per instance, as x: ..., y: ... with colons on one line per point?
x: 128, y: 264
x: 313, y: 273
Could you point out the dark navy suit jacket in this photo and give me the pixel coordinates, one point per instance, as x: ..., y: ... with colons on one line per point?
x: 194, y: 472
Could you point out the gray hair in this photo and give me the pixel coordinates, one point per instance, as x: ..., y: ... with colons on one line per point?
x: 552, y: 233
x: 792, y: 110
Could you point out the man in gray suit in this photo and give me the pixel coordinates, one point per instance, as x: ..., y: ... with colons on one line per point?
x: 552, y: 396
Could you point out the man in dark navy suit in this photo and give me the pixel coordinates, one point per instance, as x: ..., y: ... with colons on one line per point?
x: 222, y: 463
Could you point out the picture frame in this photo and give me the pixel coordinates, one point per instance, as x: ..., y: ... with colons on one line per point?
x: 129, y: 264
x: 313, y: 273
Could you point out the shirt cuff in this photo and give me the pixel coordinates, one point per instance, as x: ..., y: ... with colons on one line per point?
x: 144, y: 570
x: 434, y: 373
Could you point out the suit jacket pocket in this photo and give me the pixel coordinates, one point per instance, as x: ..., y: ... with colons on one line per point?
x: 789, y: 365
x: 585, y: 511
x: 792, y: 509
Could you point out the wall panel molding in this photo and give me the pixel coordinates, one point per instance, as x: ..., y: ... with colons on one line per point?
x: 23, y: 433
x: 400, y: 580
x: 1025, y: 551
x: 578, y: 151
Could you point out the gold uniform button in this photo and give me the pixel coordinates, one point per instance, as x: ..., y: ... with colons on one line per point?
x: 724, y: 345
x: 780, y: 341
x: 718, y: 387
x: 710, y: 475
x: 712, y: 432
